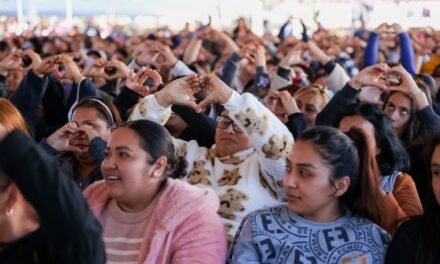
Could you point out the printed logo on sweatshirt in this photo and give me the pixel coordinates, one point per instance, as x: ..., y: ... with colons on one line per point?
x: 283, y: 239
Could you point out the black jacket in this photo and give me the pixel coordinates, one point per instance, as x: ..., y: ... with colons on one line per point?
x: 200, y: 127
x: 403, y: 247
x: 69, y: 232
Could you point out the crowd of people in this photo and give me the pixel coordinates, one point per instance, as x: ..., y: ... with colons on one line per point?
x: 210, y: 146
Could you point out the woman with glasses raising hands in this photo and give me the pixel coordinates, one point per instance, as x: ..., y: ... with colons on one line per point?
x: 248, y: 157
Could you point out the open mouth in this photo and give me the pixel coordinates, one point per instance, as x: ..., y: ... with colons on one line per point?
x: 82, y: 146
x: 112, y: 178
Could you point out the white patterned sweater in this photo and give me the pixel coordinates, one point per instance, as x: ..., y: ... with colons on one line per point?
x: 245, y: 181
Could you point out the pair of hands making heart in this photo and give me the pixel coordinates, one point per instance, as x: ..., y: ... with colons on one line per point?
x: 29, y: 60
x: 61, y: 139
x: 388, y: 80
x: 144, y: 82
x: 182, y: 91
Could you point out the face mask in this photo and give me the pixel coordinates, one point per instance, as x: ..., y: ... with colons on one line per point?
x: 296, y: 80
x: 299, y: 81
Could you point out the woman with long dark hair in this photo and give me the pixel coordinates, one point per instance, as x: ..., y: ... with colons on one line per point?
x: 147, y: 216
x: 408, y: 109
x: 400, y: 197
x: 332, y: 196
x: 417, y: 240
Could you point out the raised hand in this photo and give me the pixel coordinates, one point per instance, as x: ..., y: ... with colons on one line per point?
x: 155, y: 78
x: 121, y: 70
x: 370, y: 76
x: 166, y: 57
x: 72, y: 71
x: 223, y: 42
x: 248, y: 52
x: 318, y: 53
x: 79, y: 58
x: 11, y: 62
x: 407, y: 85
x: 260, y: 58
x: 288, y: 102
x: 143, y: 47
x: 97, y: 69
x: 294, y: 56
x: 33, y: 56
x: 180, y: 92
x: 381, y: 28
x: 205, y: 33
x: 89, y: 131
x: 59, y: 140
x: 136, y: 82
x: 146, y: 53
x: 216, y: 91
x: 397, y: 28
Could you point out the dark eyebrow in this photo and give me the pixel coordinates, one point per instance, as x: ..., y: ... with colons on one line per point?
x: 89, y: 122
x: 123, y: 148
x: 311, y: 105
x: 435, y: 164
x: 404, y: 109
x: 85, y: 122
x: 306, y: 165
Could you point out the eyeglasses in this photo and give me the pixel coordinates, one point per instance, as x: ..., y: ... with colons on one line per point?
x: 223, y: 122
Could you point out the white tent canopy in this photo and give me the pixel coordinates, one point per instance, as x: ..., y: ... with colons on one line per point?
x: 332, y: 13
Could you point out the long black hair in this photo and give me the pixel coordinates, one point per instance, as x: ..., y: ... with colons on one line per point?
x: 415, y: 131
x: 414, y: 137
x: 429, y: 235
x: 393, y: 155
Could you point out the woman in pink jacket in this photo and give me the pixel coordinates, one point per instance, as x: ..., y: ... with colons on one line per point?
x: 148, y: 217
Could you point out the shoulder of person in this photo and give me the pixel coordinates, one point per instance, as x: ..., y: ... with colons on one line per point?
x: 96, y: 193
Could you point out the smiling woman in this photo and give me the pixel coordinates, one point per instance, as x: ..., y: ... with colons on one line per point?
x: 331, y: 197
x: 147, y: 216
